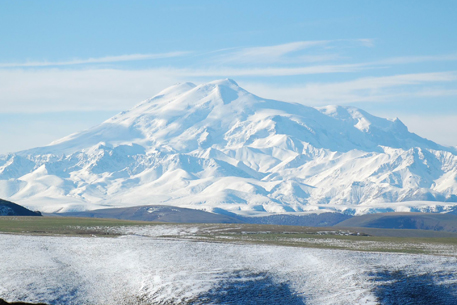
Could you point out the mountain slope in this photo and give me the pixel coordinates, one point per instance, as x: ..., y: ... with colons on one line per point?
x: 8, y: 208
x: 218, y: 146
x: 158, y: 213
x: 416, y: 221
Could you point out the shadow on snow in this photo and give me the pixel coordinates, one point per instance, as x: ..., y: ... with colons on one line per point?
x: 242, y: 288
x: 396, y: 287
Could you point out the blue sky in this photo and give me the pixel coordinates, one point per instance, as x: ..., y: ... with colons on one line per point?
x: 68, y: 65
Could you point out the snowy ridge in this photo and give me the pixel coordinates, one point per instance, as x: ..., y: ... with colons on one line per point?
x: 218, y: 146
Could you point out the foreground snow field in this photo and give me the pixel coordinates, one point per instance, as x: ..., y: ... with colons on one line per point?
x: 136, y: 269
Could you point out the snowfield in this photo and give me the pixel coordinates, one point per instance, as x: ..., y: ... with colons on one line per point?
x: 216, y: 146
x: 135, y: 269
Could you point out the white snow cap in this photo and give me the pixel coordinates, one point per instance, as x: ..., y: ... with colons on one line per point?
x: 216, y: 145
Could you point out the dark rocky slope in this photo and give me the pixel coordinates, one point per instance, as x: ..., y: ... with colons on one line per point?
x: 8, y: 208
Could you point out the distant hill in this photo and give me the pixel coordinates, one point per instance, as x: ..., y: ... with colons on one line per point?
x: 8, y: 208
x: 309, y: 220
x: 157, y: 213
x: 173, y: 214
x: 421, y: 221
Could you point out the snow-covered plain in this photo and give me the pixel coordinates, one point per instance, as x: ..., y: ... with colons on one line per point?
x: 134, y: 269
x: 216, y: 145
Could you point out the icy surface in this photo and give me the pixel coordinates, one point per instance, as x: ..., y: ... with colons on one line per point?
x: 146, y: 270
x: 218, y: 146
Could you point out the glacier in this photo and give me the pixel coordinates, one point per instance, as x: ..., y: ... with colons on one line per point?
x: 215, y: 146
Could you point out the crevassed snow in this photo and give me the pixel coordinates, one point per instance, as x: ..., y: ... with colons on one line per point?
x: 216, y: 145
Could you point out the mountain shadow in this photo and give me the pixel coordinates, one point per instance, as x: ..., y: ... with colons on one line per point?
x: 398, y: 288
x: 250, y: 289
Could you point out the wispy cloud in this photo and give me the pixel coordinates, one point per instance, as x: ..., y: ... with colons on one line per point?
x: 312, y: 52
x: 293, y: 52
x: 106, y: 59
x: 267, y: 59
x: 62, y: 89
x: 374, y: 83
x: 366, y: 42
x: 54, y: 90
x: 253, y: 59
x: 268, y: 54
x: 415, y: 59
x: 50, y: 90
x: 367, y: 89
x: 269, y: 71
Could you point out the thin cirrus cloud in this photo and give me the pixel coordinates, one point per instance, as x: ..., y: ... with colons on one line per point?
x: 51, y: 90
x: 366, y: 89
x: 268, y: 53
x: 45, y: 89
x: 281, y: 53
x: 57, y: 90
x: 415, y: 59
x: 269, y: 71
x: 42, y: 90
x: 300, y: 52
x: 287, y: 53
x: 230, y: 61
x: 106, y: 59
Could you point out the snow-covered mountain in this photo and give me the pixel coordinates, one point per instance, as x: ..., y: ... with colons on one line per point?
x: 218, y: 147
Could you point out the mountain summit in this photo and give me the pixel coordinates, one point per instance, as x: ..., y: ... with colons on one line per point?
x: 216, y: 146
